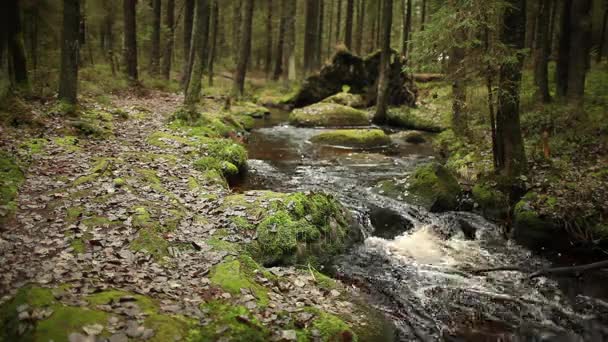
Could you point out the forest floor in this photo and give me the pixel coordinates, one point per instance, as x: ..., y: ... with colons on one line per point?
x: 119, y: 236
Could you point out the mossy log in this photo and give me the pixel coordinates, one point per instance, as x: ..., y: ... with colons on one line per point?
x: 360, y: 74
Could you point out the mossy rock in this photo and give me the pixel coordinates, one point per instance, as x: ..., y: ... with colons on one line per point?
x: 293, y: 228
x: 355, y: 138
x: 434, y: 187
x: 412, y: 137
x: 347, y: 99
x: 533, y: 230
x: 223, y: 156
x: 492, y: 202
x: 412, y: 119
x: 11, y: 178
x: 249, y: 109
x: 328, y: 115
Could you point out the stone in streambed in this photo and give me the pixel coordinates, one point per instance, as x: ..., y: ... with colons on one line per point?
x: 355, y: 138
x: 347, y: 99
x: 328, y: 115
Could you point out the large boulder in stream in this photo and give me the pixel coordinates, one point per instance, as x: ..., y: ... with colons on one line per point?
x: 434, y: 187
x: 347, y: 99
x: 328, y: 115
x: 361, y: 75
x: 354, y: 138
x: 291, y: 229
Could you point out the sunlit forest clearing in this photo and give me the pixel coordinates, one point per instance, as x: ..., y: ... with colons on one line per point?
x: 303, y: 170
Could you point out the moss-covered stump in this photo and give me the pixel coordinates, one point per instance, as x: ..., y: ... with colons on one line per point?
x: 347, y: 99
x: 360, y: 74
x: 11, y: 178
x: 355, y: 138
x: 492, y: 202
x: 291, y: 228
x: 328, y: 115
x: 413, y: 119
x: 433, y: 186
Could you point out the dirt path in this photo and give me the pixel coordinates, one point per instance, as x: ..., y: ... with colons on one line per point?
x: 129, y: 213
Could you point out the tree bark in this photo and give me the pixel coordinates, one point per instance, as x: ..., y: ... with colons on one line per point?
x: 197, y: 56
x: 319, y: 48
x: 360, y: 25
x: 130, y: 49
x: 310, y: 32
x: 339, y: 21
x: 279, y: 62
x: 580, y: 47
x: 511, y: 157
x: 14, y: 43
x: 244, y: 49
x: 563, y: 58
x: 70, y: 46
x: 385, y: 60
x: 330, y: 34
x: 236, y: 26
x: 155, y: 51
x: 215, y: 24
x: 268, y: 57
x: 407, y: 28
x: 600, y: 49
x: 108, y: 30
x: 456, y: 69
x: 422, y: 15
x: 290, y: 39
x: 541, y: 52
x: 188, y: 23
x: 348, y: 28
x: 168, y: 54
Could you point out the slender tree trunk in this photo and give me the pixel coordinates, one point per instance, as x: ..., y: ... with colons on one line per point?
x: 310, y: 38
x: 360, y: 25
x: 279, y: 62
x: 15, y: 45
x: 245, y: 49
x: 290, y: 38
x: 554, y: 7
x: 385, y: 61
x: 268, y: 59
x: 580, y: 47
x: 457, y: 72
x: 236, y: 26
x: 155, y: 52
x: 531, y: 22
x: 511, y: 157
x: 541, y: 52
x: 490, y: 89
x: 319, y: 48
x: 378, y: 25
x: 339, y: 21
x: 215, y: 20
x: 108, y: 29
x: 563, y: 58
x: 188, y: 23
x: 407, y: 28
x: 330, y: 26
x: 348, y: 29
x: 422, y: 15
x: 68, y: 83
x: 600, y: 49
x: 130, y: 52
x: 168, y: 54
x: 197, y: 57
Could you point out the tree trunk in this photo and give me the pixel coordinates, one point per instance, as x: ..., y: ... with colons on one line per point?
x: 457, y: 72
x: 268, y: 59
x: 197, y: 56
x: 511, y: 157
x: 580, y: 46
x: 108, y: 29
x: 531, y: 23
x: 600, y: 49
x: 360, y: 25
x: 385, y: 60
x: 236, y: 26
x: 541, y: 52
x: 407, y: 28
x: 319, y: 48
x: 563, y: 58
x: 554, y: 7
x: 422, y: 15
x: 310, y: 31
x: 290, y: 39
x: 188, y: 23
x: 330, y: 26
x: 215, y: 20
x: 130, y: 49
x: 279, y: 63
x: 15, y: 45
x: 168, y: 54
x: 339, y: 22
x: 244, y: 49
x: 155, y: 52
x: 68, y: 83
x: 348, y: 28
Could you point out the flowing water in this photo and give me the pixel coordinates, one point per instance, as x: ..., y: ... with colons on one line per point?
x: 413, y: 263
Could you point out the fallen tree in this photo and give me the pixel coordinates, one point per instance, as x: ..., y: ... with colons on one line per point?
x: 567, y: 270
x: 360, y: 74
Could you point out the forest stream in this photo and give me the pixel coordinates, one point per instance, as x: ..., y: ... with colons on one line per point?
x: 415, y: 264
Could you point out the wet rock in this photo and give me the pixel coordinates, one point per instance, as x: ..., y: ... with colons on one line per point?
x: 412, y: 137
x: 288, y: 335
x: 355, y: 138
x: 328, y: 115
x: 347, y: 99
x: 94, y: 329
x: 433, y: 186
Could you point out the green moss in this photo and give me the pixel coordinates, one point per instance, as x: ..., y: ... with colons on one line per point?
x: 159, y: 139
x: 491, y: 201
x: 74, y: 212
x: 357, y: 138
x: 233, y: 275
x: 330, y: 327
x: 34, y: 145
x: 96, y: 221
x: 241, y: 223
x: 249, y: 109
x: 226, y: 150
x: 119, y: 182
x: 227, y: 324
x: 346, y: 99
x: 150, y: 241
x: 69, y: 143
x: 409, y: 118
x: 193, y: 184
x: 221, y: 245
x: 434, y: 187
x: 78, y: 245
x: 141, y: 218
x: 106, y: 297
x: 101, y: 167
x: 328, y: 115
x: 11, y: 178
x: 214, y: 177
